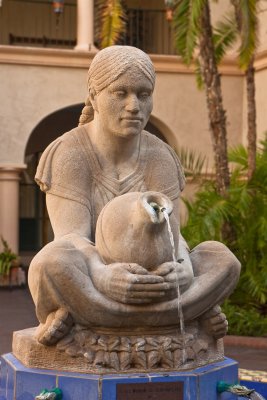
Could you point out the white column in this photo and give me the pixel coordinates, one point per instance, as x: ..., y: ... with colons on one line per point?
x: 85, y: 25
x: 9, y: 204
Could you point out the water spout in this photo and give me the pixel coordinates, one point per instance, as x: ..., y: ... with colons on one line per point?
x: 180, y: 310
x: 153, y: 204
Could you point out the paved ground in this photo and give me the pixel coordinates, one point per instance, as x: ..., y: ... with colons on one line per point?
x: 17, y: 312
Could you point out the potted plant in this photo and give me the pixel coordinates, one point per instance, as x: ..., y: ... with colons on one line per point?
x: 8, y: 260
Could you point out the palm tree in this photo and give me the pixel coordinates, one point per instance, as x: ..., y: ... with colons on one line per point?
x: 247, y: 24
x: 193, y: 32
x: 242, y: 25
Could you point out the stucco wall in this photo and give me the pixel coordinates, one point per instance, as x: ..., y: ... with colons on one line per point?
x: 262, y: 25
x: 261, y: 90
x: 29, y: 93
x: 182, y: 107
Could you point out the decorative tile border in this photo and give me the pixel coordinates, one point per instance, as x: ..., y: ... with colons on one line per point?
x: 255, y: 376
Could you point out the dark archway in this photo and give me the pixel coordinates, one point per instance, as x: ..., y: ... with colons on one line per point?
x: 52, y: 126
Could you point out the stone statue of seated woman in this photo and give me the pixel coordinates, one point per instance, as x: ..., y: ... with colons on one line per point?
x: 120, y: 304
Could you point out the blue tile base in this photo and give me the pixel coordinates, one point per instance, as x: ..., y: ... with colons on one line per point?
x: 260, y: 387
x: 22, y: 383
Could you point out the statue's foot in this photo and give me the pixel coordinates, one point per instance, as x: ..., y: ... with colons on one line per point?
x: 215, y: 323
x: 57, y: 325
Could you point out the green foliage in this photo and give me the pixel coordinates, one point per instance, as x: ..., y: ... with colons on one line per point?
x: 245, y: 321
x: 245, y: 210
x: 112, y: 20
x: 6, y: 258
x: 186, y: 24
x: 192, y: 162
x: 225, y: 36
x: 249, y: 31
x: 207, y: 215
x: 199, y: 75
x: 238, y: 26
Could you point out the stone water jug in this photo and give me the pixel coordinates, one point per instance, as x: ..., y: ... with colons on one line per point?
x: 132, y: 229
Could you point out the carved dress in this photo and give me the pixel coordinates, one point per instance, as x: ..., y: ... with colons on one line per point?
x: 59, y: 275
x: 70, y: 168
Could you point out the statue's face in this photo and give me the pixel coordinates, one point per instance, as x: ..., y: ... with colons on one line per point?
x: 124, y: 107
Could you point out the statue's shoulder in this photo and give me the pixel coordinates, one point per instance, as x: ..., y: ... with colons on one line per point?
x: 164, y: 165
x: 69, y: 140
x: 66, y: 147
x: 63, y: 161
x: 157, y: 150
x: 157, y: 147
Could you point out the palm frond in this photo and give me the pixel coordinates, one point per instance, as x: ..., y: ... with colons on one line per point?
x: 194, y: 163
x: 186, y: 25
x: 249, y: 31
x: 245, y: 319
x: 239, y: 155
x: 225, y: 35
x: 113, y: 22
x: 263, y: 144
x: 257, y: 286
x: 199, y: 75
x: 206, y: 214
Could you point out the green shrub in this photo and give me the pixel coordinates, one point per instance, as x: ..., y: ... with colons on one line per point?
x: 244, y: 321
x: 245, y: 210
x: 6, y: 258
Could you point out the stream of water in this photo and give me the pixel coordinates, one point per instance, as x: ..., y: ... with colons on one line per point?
x: 180, y: 310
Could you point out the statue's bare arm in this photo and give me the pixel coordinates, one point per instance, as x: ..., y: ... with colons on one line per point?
x: 126, y: 283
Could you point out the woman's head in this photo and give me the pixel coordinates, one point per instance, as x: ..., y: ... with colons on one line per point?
x: 108, y: 65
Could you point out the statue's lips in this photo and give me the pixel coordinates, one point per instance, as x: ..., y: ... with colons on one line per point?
x: 134, y: 120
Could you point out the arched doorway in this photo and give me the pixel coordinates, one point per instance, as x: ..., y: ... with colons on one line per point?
x: 35, y: 227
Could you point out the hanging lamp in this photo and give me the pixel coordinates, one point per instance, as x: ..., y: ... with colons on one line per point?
x: 169, y: 5
x: 58, y: 7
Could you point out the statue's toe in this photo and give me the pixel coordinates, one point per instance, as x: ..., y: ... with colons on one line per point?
x: 215, y: 323
x: 57, y: 325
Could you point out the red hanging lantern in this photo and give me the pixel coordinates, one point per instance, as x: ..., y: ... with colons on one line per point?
x: 169, y: 5
x: 58, y: 6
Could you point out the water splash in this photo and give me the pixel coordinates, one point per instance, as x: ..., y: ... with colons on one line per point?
x: 180, y: 310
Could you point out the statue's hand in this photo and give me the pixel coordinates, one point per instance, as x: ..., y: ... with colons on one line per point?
x: 184, y: 274
x: 174, y: 273
x: 132, y: 284
x: 214, y: 322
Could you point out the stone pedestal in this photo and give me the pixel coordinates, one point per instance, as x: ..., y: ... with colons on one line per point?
x: 88, y: 351
x: 20, y: 382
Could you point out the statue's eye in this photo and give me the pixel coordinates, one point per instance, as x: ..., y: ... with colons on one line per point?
x: 144, y: 95
x: 120, y: 93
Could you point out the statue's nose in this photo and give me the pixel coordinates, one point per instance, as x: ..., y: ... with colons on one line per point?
x: 132, y: 103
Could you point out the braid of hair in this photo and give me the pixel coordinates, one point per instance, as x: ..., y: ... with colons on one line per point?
x: 87, y: 114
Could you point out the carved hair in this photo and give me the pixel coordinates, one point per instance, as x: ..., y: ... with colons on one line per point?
x: 107, y: 66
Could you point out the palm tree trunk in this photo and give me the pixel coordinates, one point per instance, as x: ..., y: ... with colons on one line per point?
x: 251, y: 103
x: 251, y: 115
x: 217, y: 115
